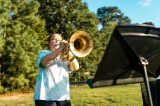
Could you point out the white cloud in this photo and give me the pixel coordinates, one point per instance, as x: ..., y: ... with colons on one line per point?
x: 145, y: 2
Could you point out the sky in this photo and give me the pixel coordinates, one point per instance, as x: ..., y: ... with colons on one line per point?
x: 139, y: 11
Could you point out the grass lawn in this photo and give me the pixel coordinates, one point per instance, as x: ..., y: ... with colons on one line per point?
x: 82, y: 95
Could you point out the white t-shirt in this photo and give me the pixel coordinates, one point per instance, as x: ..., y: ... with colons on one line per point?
x: 52, y: 81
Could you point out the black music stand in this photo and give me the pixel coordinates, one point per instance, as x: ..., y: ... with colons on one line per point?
x: 132, y: 56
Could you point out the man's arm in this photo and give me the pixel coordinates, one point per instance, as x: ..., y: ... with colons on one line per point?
x: 46, y: 60
x: 74, y: 65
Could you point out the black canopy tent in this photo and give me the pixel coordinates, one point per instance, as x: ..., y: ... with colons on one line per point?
x: 126, y: 58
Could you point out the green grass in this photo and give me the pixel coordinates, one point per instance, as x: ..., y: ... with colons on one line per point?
x: 82, y: 95
x: 120, y: 95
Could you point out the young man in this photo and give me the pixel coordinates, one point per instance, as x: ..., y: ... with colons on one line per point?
x: 52, y: 84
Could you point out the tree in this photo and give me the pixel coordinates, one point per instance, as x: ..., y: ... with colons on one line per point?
x: 67, y: 17
x: 22, y: 29
x: 111, y: 14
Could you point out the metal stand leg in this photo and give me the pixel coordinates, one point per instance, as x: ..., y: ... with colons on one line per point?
x: 144, y: 62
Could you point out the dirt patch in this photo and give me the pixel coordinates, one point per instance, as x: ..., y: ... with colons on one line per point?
x: 14, y: 96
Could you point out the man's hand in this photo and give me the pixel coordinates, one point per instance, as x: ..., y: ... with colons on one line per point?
x: 63, y: 44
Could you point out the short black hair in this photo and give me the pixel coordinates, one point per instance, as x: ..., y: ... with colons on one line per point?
x: 52, y: 35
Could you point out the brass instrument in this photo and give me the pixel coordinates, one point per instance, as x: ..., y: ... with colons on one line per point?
x: 80, y: 45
